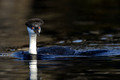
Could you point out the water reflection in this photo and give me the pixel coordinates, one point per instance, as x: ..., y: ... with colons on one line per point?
x: 75, y: 69
x: 33, y: 69
x: 79, y: 69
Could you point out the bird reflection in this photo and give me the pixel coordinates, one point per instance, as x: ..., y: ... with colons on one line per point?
x: 33, y: 68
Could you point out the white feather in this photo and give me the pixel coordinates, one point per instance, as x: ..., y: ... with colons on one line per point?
x: 32, y: 41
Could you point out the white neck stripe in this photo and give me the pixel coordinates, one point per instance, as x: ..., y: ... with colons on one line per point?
x: 32, y: 41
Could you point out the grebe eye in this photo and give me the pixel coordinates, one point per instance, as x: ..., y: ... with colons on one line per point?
x: 32, y: 27
x: 38, y: 27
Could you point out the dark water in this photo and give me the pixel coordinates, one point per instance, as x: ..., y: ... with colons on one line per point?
x: 81, y: 24
x: 66, y: 20
x: 75, y: 69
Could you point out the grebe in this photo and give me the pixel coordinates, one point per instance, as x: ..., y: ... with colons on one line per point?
x: 34, y: 29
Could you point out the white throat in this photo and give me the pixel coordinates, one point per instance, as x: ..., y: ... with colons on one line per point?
x: 32, y: 41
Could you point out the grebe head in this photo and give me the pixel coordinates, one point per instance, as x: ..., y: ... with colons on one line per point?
x: 34, y: 25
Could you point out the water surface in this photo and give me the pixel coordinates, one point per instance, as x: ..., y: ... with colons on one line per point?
x: 81, y: 24
x: 74, y: 69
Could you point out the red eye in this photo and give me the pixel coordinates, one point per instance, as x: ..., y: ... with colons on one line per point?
x: 32, y: 27
x: 38, y: 27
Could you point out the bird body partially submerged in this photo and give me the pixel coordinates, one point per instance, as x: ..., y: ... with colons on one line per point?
x: 58, y: 52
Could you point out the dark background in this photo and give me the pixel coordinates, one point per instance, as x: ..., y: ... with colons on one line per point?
x: 64, y: 20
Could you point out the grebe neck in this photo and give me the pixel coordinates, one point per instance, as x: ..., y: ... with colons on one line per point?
x: 32, y: 41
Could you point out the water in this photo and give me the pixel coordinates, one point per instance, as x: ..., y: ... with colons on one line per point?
x: 75, y: 69
x: 81, y: 24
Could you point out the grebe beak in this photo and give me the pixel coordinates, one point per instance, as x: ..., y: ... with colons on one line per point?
x: 37, y: 30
